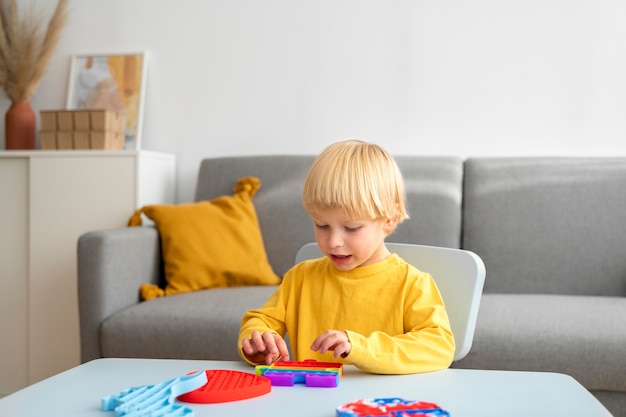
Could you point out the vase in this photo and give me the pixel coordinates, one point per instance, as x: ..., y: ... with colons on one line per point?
x: 20, y: 126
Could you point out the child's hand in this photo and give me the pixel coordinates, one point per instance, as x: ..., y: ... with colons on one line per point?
x: 267, y: 347
x: 333, y: 340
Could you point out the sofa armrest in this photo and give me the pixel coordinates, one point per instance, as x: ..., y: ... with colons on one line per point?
x: 112, y: 264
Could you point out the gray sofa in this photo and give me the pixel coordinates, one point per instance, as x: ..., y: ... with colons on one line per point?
x: 551, y: 231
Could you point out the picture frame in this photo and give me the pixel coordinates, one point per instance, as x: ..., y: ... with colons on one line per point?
x: 115, y: 81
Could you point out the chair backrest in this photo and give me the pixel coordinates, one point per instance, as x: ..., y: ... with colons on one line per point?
x: 459, y: 275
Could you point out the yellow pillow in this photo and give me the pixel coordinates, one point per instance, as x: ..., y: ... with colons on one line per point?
x: 210, y: 244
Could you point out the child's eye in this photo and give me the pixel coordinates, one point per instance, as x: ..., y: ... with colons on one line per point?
x: 353, y: 229
x: 321, y: 226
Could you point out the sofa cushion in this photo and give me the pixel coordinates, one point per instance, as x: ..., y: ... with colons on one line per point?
x: 581, y: 336
x: 210, y: 244
x: 548, y: 225
x: 199, y: 325
x: 433, y: 188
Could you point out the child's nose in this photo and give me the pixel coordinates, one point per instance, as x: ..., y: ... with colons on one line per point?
x: 335, y: 240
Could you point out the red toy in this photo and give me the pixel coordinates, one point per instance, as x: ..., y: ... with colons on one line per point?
x: 223, y: 386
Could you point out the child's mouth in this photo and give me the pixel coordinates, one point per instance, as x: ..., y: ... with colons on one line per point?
x: 341, y: 258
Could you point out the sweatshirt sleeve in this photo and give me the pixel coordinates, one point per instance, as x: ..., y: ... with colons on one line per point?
x: 269, y: 317
x: 427, y: 345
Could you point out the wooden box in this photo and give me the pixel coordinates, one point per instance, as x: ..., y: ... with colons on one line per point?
x: 49, y: 121
x: 82, y: 120
x: 65, y: 140
x: 48, y: 140
x: 82, y: 129
x: 107, y: 140
x: 107, y: 120
x: 82, y: 139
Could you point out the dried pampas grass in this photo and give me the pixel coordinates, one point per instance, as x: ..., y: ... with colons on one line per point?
x: 25, y: 48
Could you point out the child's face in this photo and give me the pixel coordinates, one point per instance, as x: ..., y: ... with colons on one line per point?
x: 349, y: 242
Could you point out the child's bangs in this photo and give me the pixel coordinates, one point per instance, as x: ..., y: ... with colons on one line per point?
x: 337, y: 188
x: 361, y: 179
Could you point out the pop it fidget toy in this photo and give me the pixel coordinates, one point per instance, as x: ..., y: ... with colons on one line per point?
x: 309, y: 372
x: 159, y: 399
x: 211, y: 386
x: 223, y: 386
x: 390, y: 407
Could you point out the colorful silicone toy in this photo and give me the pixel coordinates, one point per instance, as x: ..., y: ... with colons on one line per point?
x: 310, y: 372
x: 159, y: 399
x: 309, y: 364
x: 211, y: 386
x: 390, y: 407
x: 223, y: 386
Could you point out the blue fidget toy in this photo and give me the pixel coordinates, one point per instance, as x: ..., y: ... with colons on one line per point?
x: 146, y: 400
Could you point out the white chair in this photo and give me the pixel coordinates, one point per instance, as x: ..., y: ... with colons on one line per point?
x: 459, y: 274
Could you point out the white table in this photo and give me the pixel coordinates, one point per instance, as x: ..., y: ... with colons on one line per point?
x: 463, y: 393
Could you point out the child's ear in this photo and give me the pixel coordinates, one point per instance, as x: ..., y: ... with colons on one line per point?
x: 390, y: 224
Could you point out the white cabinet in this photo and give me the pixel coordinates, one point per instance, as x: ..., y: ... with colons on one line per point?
x: 47, y: 200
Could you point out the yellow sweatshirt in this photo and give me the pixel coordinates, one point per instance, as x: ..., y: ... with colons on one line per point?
x: 392, y: 312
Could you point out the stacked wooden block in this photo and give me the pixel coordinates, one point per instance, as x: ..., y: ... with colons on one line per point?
x: 82, y: 129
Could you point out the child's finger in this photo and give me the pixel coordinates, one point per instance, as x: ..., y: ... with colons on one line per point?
x: 319, y: 340
x: 247, y: 347
x: 324, y: 341
x: 282, y: 348
x: 256, y: 339
x: 270, y: 342
x: 332, y: 340
x: 272, y: 353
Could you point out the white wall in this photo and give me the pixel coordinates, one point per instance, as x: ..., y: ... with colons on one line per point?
x: 469, y: 78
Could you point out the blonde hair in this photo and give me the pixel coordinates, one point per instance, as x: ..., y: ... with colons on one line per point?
x: 361, y: 178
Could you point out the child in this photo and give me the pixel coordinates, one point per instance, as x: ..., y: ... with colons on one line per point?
x: 359, y: 303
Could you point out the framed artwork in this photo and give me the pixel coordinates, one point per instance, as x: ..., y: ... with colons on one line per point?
x: 112, y: 82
